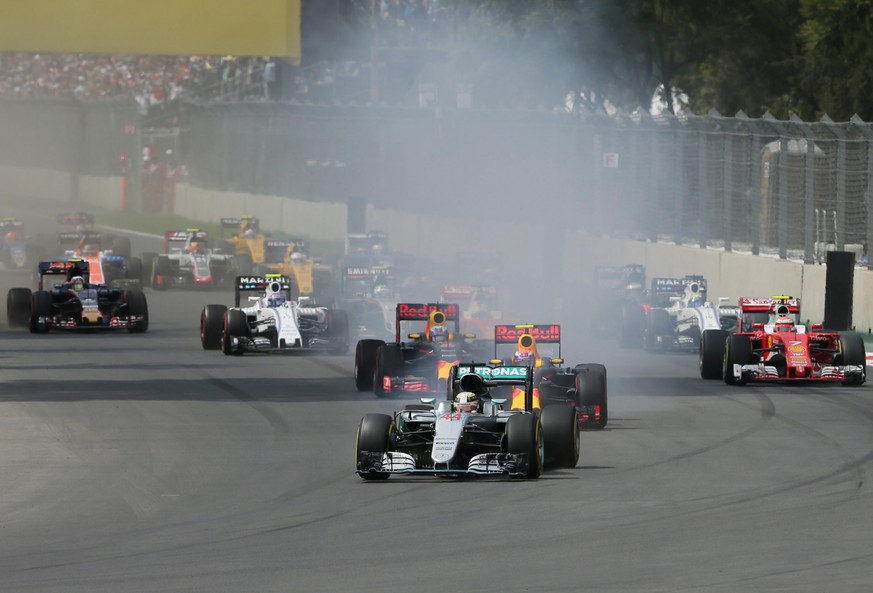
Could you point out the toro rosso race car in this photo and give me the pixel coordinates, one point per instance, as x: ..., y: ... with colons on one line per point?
x: 189, y: 262
x: 272, y: 322
x: 75, y: 303
x: 771, y: 345
x: 420, y: 364
x: 469, y: 433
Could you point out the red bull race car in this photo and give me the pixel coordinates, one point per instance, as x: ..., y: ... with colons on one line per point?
x: 771, y: 344
x: 422, y: 363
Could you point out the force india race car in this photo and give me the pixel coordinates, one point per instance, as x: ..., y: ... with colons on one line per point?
x: 189, y: 262
x: 771, y: 345
x: 89, y: 307
x: 272, y: 322
x: 457, y: 438
x: 422, y: 363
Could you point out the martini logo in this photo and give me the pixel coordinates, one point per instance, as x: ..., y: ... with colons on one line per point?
x: 251, y: 280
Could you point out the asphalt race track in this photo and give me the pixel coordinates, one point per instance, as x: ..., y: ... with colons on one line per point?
x: 142, y: 463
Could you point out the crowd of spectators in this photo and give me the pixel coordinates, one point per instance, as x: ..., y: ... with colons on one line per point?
x: 150, y: 80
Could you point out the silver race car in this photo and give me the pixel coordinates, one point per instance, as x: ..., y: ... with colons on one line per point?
x: 272, y: 322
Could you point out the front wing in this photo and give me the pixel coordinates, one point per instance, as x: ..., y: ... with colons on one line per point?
x: 483, y: 464
x: 765, y: 372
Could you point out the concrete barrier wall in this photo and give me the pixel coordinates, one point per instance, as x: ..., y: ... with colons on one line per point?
x: 435, y: 237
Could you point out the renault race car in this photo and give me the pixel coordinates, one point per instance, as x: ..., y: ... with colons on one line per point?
x: 771, y: 345
x: 310, y: 277
x: 61, y: 305
x: 527, y: 338
x: 272, y: 322
x: 469, y: 433
x: 189, y: 261
x: 420, y: 364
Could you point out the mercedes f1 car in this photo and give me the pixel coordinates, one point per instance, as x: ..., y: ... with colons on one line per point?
x: 469, y: 433
x: 62, y: 305
x: 272, y: 322
x: 420, y: 364
x: 772, y: 345
x: 188, y: 261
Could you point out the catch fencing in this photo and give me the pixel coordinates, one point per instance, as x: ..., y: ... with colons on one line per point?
x: 792, y: 188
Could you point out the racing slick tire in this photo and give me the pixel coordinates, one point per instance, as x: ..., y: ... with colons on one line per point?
x: 524, y: 436
x: 18, y: 307
x: 632, y: 326
x: 365, y: 363
x: 235, y: 325
x: 41, y: 306
x: 211, y: 326
x: 137, y: 305
x: 657, y: 324
x: 560, y: 425
x: 591, y: 391
x: 134, y: 270
x: 389, y: 359
x: 148, y: 264
x: 338, y: 331
x: 374, y: 435
x: 854, y: 354
x: 120, y: 245
x: 161, y: 271
x: 738, y: 350
x: 711, y: 358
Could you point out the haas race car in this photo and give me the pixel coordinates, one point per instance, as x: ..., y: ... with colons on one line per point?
x: 188, y: 261
x: 771, y: 345
x: 469, y: 433
x: 75, y: 303
x: 272, y: 322
x: 422, y: 364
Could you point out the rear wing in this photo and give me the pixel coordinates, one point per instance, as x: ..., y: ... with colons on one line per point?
x: 364, y: 242
x: 66, y: 268
x: 72, y: 237
x: 495, y: 376
x: 9, y: 224
x: 543, y: 334
x: 78, y: 218
x: 363, y: 272
x: 259, y: 284
x: 179, y: 238
x: 776, y: 304
x: 237, y: 222
x: 422, y: 311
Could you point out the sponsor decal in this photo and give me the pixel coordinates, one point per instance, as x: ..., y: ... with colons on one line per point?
x: 501, y: 372
x: 796, y: 348
x: 541, y: 333
x: 668, y: 282
x: 422, y: 311
x: 450, y: 416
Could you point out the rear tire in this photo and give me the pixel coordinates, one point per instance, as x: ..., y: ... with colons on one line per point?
x: 524, y: 436
x: 161, y: 272
x: 854, y: 353
x: 134, y: 270
x: 365, y: 363
x: 120, y: 246
x: 560, y: 424
x: 374, y: 435
x: 338, y: 331
x: 211, y: 326
x: 711, y: 358
x: 389, y: 359
x: 138, y: 306
x: 658, y: 324
x: 738, y: 350
x: 591, y: 390
x: 18, y: 302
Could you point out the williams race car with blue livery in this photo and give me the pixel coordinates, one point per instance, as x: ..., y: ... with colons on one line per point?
x: 272, y: 322
x: 470, y: 433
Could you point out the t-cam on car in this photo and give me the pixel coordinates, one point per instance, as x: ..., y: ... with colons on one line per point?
x: 771, y: 345
x: 469, y: 433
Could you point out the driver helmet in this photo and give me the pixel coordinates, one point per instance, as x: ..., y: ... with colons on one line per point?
x: 11, y: 237
x: 248, y: 232
x: 785, y: 324
x: 77, y: 283
x: 466, y: 401
x: 276, y: 300
x: 696, y: 300
x: 439, y: 333
x: 523, y: 356
x: 298, y: 257
x: 382, y: 290
x: 195, y: 246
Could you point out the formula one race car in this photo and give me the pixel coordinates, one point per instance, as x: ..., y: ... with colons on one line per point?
x: 75, y: 303
x: 678, y: 312
x: 273, y: 322
x: 469, y: 433
x: 17, y: 250
x: 420, y: 364
x: 479, y: 303
x: 771, y: 345
x: 188, y: 261
x: 310, y: 277
x: 108, y: 258
x: 526, y: 337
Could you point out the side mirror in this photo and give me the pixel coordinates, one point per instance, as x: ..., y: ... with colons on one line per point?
x: 470, y: 336
x: 557, y: 361
x: 816, y: 326
x: 757, y: 326
x: 495, y: 362
x: 414, y: 336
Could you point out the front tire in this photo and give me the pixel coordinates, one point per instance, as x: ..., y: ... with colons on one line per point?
x: 374, y: 436
x: 138, y: 306
x: 41, y: 307
x: 711, y: 357
x: 211, y: 326
x: 235, y: 326
x: 855, y: 354
x: 389, y: 359
x: 524, y: 436
x: 738, y: 350
x: 365, y: 363
x: 560, y: 425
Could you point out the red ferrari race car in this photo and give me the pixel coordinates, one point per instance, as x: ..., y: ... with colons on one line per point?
x: 770, y: 344
x: 422, y: 364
